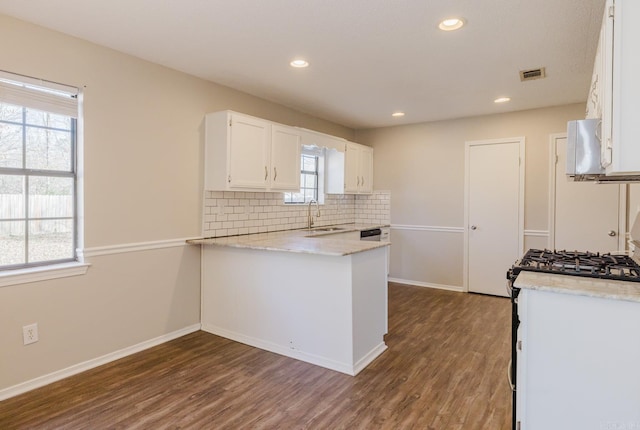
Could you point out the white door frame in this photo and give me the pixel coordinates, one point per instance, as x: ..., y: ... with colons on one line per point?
x: 467, y: 147
x: 622, y: 208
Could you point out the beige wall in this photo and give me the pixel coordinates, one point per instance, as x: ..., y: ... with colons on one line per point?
x: 423, y: 167
x: 143, y: 145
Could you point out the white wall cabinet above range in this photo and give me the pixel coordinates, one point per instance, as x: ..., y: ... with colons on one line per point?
x: 596, y: 90
x: 245, y: 153
x: 351, y: 172
x: 615, y: 88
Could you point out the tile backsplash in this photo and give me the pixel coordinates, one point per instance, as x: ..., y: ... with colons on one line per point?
x: 228, y: 213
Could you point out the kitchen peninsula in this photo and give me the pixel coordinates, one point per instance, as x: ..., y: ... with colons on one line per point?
x: 313, y: 296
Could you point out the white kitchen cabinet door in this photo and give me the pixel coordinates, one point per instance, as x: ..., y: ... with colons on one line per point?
x: 366, y: 170
x: 358, y: 169
x: 351, y: 171
x: 595, y: 96
x: 285, y: 158
x: 578, y: 365
x: 249, y: 141
x: 606, y: 86
x: 236, y: 152
x: 621, y: 88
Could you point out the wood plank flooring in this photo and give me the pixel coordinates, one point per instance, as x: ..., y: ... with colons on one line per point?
x: 445, y: 368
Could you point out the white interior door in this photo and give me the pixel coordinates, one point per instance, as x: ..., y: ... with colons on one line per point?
x: 494, y: 212
x: 586, y: 215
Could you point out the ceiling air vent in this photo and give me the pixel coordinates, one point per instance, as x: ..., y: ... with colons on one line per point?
x: 530, y: 75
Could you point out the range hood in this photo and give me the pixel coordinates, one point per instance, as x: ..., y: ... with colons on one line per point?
x: 583, y: 154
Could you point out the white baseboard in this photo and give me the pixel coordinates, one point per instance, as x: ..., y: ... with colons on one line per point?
x: 371, y: 355
x: 90, y: 364
x: 325, y: 362
x: 427, y: 285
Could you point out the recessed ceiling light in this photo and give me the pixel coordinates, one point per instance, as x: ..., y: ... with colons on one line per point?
x: 397, y: 114
x: 451, y: 24
x: 299, y: 63
x: 502, y: 100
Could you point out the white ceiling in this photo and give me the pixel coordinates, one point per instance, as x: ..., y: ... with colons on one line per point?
x: 368, y: 57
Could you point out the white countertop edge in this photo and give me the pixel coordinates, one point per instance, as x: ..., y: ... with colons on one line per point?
x: 300, y: 250
x: 300, y: 241
x: 579, y: 286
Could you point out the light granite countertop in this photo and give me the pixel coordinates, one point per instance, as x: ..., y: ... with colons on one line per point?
x: 314, y: 241
x: 576, y: 285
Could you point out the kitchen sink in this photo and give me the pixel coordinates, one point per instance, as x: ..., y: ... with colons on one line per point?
x: 328, y: 229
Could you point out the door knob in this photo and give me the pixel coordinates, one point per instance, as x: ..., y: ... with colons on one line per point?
x: 474, y: 227
x: 612, y: 233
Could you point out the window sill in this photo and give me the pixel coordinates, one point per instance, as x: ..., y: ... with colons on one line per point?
x: 44, y: 273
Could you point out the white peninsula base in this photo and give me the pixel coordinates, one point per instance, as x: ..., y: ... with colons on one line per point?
x: 326, y: 310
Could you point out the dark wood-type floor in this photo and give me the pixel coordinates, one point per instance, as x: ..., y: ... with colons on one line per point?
x: 445, y: 369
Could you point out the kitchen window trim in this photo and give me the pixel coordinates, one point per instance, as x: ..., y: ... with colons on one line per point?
x: 42, y: 273
x: 319, y: 173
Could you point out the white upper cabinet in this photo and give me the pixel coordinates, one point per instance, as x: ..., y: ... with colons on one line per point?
x: 595, y: 96
x: 358, y: 169
x: 621, y: 87
x: 351, y: 168
x: 248, y: 152
x: 285, y: 158
x: 365, y: 168
x: 351, y: 172
x: 245, y: 153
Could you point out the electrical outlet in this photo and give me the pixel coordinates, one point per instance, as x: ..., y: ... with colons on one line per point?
x: 30, y: 333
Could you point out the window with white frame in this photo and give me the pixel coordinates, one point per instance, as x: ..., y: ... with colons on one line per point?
x: 38, y: 172
x: 311, y: 177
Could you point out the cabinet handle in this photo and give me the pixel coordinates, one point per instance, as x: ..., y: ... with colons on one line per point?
x: 229, y: 179
x: 266, y: 173
x: 363, y: 181
x: 358, y: 184
x: 275, y: 173
x: 510, y: 376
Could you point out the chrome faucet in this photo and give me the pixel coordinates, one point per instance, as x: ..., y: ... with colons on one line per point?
x: 309, y: 216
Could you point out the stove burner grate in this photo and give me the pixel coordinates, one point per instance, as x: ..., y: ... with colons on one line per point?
x: 588, y: 264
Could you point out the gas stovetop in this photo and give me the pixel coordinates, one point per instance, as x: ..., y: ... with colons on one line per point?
x: 588, y: 264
